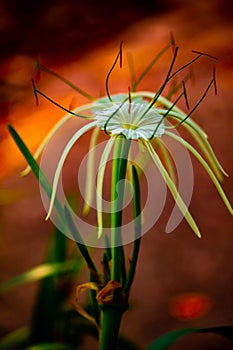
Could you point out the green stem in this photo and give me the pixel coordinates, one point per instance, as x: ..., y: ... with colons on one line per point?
x: 137, y: 228
x: 112, y: 315
x: 119, y: 166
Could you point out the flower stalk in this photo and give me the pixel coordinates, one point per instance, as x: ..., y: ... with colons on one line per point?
x: 119, y: 167
x: 111, y: 321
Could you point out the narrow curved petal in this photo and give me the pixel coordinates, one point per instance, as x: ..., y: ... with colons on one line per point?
x: 43, y: 144
x: 205, y: 166
x: 99, y: 186
x: 168, y: 161
x: 194, y: 129
x: 199, y: 135
x: 90, y: 171
x: 205, y: 146
x: 53, y: 131
x: 175, y: 194
x: 65, y: 153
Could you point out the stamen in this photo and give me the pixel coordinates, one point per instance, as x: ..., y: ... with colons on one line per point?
x: 166, y: 79
x: 158, y: 93
x: 197, y: 133
x: 185, y: 66
x: 197, y: 104
x: 67, y: 82
x: 119, y: 56
x: 164, y: 116
x: 52, y: 132
x: 173, y: 42
x: 205, y: 54
x: 185, y: 95
x: 56, y: 104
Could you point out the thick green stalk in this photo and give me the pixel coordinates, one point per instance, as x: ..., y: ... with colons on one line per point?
x: 119, y: 166
x: 137, y: 228
x: 112, y: 315
x: 112, y: 312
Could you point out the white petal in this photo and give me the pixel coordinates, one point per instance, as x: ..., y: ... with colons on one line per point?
x: 129, y: 119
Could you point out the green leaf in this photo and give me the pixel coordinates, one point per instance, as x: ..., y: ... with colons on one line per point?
x: 14, y: 339
x: 40, y: 272
x: 23, y: 148
x: 65, y: 217
x: 36, y: 169
x: 166, y: 340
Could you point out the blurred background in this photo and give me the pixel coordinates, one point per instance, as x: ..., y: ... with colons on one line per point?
x: 79, y: 40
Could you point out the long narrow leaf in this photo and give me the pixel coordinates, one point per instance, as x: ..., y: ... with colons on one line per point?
x: 37, y: 171
x: 25, y: 151
x: 14, y: 339
x: 40, y: 272
x: 166, y: 340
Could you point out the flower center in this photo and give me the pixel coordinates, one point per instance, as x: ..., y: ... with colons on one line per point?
x: 133, y: 120
x: 129, y: 126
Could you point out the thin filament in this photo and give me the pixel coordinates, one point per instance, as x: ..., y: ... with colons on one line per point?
x: 167, y: 113
x: 99, y: 186
x: 197, y: 104
x: 90, y: 172
x: 205, y: 166
x: 52, y: 132
x: 57, y: 104
x: 65, y: 153
x: 119, y: 56
x: 170, y: 184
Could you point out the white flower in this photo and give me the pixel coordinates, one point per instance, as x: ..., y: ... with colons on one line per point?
x: 133, y: 120
x: 138, y: 121
x: 140, y: 116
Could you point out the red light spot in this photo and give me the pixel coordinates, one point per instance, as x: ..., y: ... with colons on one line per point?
x: 189, y: 306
